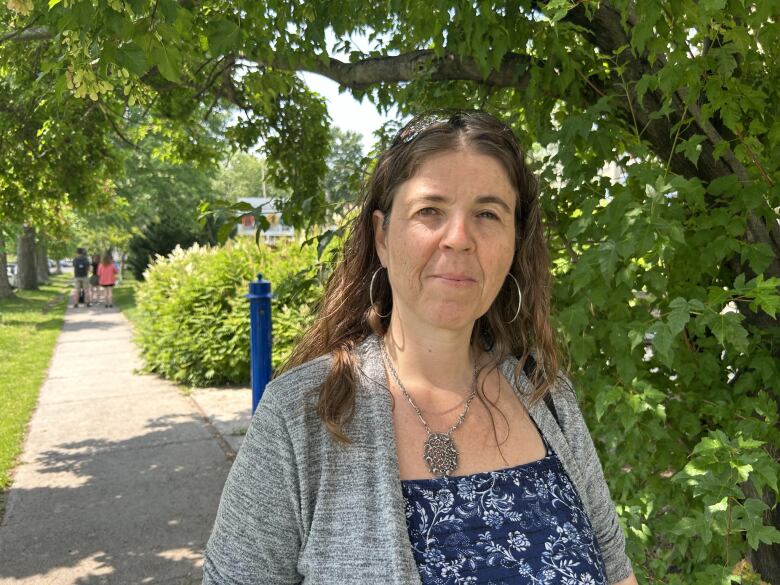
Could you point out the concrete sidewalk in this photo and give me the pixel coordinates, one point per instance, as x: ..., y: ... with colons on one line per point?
x: 121, y: 473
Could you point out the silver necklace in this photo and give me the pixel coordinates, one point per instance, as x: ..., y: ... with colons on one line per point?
x: 440, y: 452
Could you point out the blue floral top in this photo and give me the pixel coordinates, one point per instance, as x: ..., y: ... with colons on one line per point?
x: 518, y: 526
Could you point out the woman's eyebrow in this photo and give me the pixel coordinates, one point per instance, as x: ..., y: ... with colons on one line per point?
x: 481, y: 200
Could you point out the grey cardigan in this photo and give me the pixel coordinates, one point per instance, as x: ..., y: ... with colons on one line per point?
x: 299, y: 507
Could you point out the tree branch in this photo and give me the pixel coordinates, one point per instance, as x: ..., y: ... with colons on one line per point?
x: 38, y: 33
x: 422, y: 64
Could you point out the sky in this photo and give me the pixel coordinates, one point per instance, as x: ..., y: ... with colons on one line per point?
x: 345, y: 111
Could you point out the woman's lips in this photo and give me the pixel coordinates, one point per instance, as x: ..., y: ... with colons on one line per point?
x: 454, y: 279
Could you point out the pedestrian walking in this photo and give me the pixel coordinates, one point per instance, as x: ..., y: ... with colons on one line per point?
x: 94, y: 279
x: 81, y: 278
x: 107, y: 278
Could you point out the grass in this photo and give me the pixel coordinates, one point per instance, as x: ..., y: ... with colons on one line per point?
x: 30, y: 322
x: 124, y: 298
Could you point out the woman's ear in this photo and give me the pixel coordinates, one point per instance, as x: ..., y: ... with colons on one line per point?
x: 380, y: 235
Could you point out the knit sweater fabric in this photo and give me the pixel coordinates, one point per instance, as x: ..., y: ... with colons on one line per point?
x: 299, y: 507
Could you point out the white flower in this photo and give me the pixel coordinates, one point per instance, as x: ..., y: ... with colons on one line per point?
x: 524, y: 568
x: 493, y: 518
x: 433, y: 556
x: 446, y: 499
x: 519, y: 541
x: 466, y: 490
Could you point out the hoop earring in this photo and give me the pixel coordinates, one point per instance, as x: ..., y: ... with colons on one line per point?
x: 519, y: 296
x: 371, y: 293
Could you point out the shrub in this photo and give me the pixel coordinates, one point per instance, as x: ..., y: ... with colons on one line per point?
x: 195, y: 316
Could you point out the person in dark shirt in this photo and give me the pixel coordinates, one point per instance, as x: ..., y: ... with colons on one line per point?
x: 81, y: 265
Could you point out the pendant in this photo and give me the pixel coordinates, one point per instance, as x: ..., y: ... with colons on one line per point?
x: 441, y: 454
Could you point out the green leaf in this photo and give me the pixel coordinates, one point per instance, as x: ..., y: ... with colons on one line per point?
x: 607, y: 258
x: 759, y: 255
x: 241, y: 207
x: 645, y: 83
x: 712, y: 6
x: 606, y: 398
x: 727, y: 326
x: 765, y: 534
x: 720, y: 149
x: 721, y: 506
x: 131, y: 57
x: 636, y: 338
x: 168, y: 61
x: 709, y: 444
x: 224, y: 232
x: 679, y: 316
x: 691, y: 147
x: 726, y: 185
x: 224, y: 36
x: 662, y: 343
x: 169, y: 9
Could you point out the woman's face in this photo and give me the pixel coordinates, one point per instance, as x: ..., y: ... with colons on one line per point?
x: 450, y: 240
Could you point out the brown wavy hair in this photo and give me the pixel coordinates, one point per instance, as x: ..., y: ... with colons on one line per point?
x: 345, y: 314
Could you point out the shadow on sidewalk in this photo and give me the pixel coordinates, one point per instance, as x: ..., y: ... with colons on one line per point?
x: 128, y: 511
x: 76, y: 326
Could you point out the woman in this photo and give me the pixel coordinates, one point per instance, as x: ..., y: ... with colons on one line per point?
x: 94, y: 278
x: 404, y: 443
x: 107, y: 278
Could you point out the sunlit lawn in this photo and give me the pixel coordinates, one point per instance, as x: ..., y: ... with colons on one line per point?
x: 124, y: 298
x: 30, y: 323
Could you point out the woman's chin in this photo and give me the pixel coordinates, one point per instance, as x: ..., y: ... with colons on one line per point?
x: 451, y: 320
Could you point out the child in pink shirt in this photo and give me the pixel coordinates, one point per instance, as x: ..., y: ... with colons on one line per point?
x: 107, y: 278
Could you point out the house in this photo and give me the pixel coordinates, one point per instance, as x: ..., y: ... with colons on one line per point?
x: 247, y: 225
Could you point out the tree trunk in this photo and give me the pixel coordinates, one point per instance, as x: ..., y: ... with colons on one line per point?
x: 5, y: 286
x: 41, y: 259
x: 766, y: 559
x: 59, y: 266
x: 25, y: 259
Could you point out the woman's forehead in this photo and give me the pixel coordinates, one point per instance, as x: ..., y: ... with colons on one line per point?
x: 451, y: 173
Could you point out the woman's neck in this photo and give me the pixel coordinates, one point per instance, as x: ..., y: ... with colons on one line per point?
x: 431, y: 361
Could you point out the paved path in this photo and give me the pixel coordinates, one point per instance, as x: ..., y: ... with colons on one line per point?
x: 121, y: 473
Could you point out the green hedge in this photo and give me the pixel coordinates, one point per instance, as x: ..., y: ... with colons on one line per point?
x: 195, y: 316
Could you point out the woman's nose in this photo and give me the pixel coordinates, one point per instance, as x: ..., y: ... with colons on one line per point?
x: 457, y: 234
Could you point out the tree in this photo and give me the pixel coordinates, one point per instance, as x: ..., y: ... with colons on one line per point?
x: 26, y: 259
x: 55, y: 151
x: 5, y: 286
x: 153, y: 187
x: 244, y: 175
x: 346, y: 166
x: 41, y: 258
x: 666, y: 278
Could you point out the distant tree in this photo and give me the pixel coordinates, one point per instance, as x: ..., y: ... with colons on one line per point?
x: 26, y: 259
x: 161, y: 238
x: 5, y: 285
x: 244, y: 175
x: 346, y: 166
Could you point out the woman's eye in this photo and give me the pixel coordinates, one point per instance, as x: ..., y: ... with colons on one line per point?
x: 427, y: 211
x: 489, y: 215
